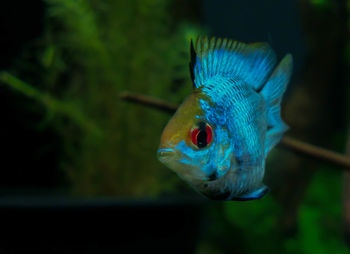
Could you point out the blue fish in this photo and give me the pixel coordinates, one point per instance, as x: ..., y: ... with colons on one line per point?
x: 220, y: 136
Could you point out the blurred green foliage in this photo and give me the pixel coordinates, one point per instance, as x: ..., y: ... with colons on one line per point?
x: 253, y: 227
x: 321, y: 3
x: 320, y: 217
x: 90, y: 51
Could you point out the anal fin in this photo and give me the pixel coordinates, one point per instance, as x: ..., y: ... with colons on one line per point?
x: 256, y: 194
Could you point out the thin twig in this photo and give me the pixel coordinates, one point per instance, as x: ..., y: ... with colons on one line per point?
x: 289, y: 143
x: 316, y: 152
x: 148, y: 101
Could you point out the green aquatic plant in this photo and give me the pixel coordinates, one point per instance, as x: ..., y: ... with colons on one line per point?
x: 89, y: 53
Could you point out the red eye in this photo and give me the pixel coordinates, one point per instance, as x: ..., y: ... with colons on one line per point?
x: 202, y: 136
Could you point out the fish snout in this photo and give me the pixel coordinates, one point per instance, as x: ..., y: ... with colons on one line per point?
x: 164, y: 154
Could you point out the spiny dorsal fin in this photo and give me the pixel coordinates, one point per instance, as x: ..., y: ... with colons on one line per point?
x: 251, y: 63
x: 192, y: 62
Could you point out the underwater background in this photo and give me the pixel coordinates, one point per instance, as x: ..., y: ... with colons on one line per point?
x: 79, y: 171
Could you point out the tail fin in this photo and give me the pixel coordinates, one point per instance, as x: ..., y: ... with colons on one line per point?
x: 273, y: 92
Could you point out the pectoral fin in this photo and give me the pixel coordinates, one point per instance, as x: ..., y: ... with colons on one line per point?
x: 256, y: 194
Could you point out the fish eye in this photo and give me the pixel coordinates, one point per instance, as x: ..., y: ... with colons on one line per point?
x: 202, y: 135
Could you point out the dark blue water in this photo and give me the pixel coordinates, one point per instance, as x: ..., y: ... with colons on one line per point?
x: 276, y: 22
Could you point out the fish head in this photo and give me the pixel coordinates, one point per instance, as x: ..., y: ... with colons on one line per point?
x: 197, y: 148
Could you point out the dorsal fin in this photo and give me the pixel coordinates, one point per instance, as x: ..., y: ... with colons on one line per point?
x: 192, y: 62
x: 252, y: 63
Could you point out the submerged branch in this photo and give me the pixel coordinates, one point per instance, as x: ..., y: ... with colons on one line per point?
x: 289, y: 143
x: 316, y: 152
x: 148, y: 101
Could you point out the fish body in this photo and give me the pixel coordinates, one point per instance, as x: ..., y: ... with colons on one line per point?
x: 220, y: 136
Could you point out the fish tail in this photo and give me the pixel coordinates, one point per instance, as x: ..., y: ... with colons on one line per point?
x: 273, y: 92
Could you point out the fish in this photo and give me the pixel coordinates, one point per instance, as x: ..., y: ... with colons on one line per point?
x: 220, y: 136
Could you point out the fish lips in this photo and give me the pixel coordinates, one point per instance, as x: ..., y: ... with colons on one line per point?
x: 164, y: 154
x: 172, y: 158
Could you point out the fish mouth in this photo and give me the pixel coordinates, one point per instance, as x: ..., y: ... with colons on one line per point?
x: 173, y: 158
x: 164, y: 153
